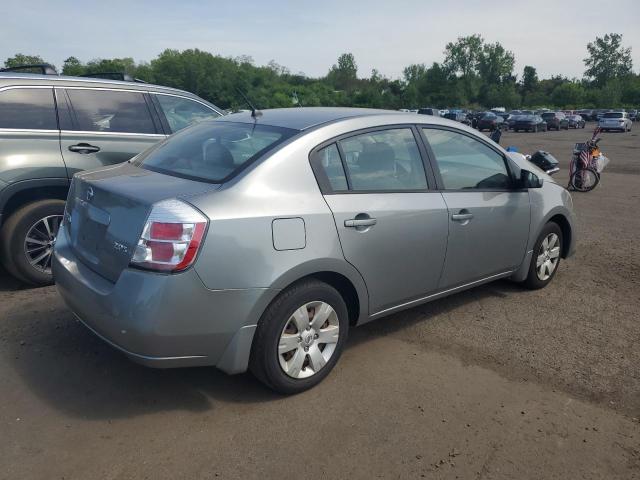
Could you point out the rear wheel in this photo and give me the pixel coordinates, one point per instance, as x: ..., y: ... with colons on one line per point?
x: 585, y: 179
x: 300, y: 337
x: 546, y: 257
x: 27, y: 239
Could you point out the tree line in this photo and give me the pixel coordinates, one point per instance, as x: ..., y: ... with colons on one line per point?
x: 474, y: 74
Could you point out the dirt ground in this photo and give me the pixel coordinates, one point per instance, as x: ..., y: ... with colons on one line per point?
x: 493, y: 383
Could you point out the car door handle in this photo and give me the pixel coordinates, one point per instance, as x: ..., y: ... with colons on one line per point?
x: 461, y: 217
x: 84, y: 148
x: 360, y: 222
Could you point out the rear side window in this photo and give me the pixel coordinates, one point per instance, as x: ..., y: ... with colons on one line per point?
x: 28, y: 108
x: 111, y: 111
x: 466, y: 163
x: 386, y: 160
x: 331, y: 167
x: 212, y: 151
x: 181, y: 112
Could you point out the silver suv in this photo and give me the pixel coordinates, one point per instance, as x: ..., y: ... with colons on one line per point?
x: 54, y: 126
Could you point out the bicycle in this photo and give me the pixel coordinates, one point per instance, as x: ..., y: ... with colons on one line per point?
x: 587, y: 164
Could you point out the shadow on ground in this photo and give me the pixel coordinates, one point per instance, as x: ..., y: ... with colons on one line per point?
x: 78, y: 374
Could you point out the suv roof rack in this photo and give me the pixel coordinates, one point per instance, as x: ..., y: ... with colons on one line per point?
x: 125, y: 77
x: 43, y: 68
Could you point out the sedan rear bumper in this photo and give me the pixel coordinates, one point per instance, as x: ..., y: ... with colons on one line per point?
x: 161, y: 320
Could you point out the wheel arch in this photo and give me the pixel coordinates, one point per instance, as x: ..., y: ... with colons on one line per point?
x: 567, y: 232
x: 341, y: 276
x: 22, y: 193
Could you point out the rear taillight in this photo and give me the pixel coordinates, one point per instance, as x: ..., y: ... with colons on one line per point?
x: 171, y: 237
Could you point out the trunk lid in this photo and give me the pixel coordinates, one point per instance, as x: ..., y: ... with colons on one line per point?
x: 107, y: 209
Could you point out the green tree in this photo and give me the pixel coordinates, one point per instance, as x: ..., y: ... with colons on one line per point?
x: 344, y: 74
x: 21, y: 59
x: 568, y: 95
x: 462, y: 57
x: 495, y: 64
x: 607, y: 59
x: 73, y: 66
x: 529, y: 79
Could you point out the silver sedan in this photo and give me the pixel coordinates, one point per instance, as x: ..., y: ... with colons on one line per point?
x: 256, y: 241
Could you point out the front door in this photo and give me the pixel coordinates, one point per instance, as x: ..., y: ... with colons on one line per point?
x: 391, y: 228
x: 488, y: 219
x: 101, y: 127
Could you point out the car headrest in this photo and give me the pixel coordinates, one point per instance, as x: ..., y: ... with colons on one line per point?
x: 377, y: 157
x: 218, y: 155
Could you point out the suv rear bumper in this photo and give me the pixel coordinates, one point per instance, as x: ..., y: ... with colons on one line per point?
x: 162, y: 320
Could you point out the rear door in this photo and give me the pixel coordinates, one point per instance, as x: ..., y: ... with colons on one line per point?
x: 102, y: 126
x: 391, y: 227
x: 488, y: 220
x: 29, y: 135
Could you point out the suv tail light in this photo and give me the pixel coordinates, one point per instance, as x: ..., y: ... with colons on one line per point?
x: 171, y: 237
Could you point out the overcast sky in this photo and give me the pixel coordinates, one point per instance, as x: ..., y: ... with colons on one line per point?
x: 308, y: 36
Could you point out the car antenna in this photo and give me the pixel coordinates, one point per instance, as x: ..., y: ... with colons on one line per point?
x: 297, y: 99
x: 255, y: 113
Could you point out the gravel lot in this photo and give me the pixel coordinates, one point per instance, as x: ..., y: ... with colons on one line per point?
x: 496, y: 382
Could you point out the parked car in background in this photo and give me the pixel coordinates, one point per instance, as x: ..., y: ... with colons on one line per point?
x: 429, y: 111
x: 615, y: 121
x: 491, y: 121
x: 555, y: 120
x: 576, y: 121
x: 52, y: 127
x: 587, y: 114
x: 600, y: 113
x: 259, y: 241
x: 458, y: 117
x: 529, y: 123
x: 633, y: 115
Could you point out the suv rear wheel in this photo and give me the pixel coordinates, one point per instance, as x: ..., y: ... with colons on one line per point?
x: 27, y: 238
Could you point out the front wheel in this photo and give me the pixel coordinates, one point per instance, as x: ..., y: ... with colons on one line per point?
x: 546, y: 257
x: 300, y: 337
x: 27, y: 239
x: 584, y: 180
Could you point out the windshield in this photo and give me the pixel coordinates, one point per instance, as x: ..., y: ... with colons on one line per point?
x: 489, y: 116
x: 613, y: 115
x: 548, y: 115
x: 212, y: 151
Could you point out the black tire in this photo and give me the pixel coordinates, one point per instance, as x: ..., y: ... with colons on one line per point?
x: 12, y: 240
x: 264, y: 362
x: 584, y: 180
x: 533, y: 281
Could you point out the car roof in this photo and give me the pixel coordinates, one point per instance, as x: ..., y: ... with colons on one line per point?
x: 13, y: 78
x: 303, y: 118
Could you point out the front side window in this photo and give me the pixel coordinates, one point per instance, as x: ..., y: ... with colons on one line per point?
x: 182, y: 112
x: 212, y: 151
x: 467, y: 163
x: 386, y: 160
x: 111, y: 111
x: 28, y: 108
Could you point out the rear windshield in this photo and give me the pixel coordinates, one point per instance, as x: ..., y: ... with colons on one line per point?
x: 613, y: 115
x: 548, y: 115
x: 212, y: 151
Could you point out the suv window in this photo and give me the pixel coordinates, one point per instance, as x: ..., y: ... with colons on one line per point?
x: 28, y: 108
x: 384, y: 160
x: 182, y: 112
x: 111, y: 111
x: 467, y: 163
x: 331, y: 166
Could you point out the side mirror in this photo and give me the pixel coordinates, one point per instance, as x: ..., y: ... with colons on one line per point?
x: 529, y: 179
